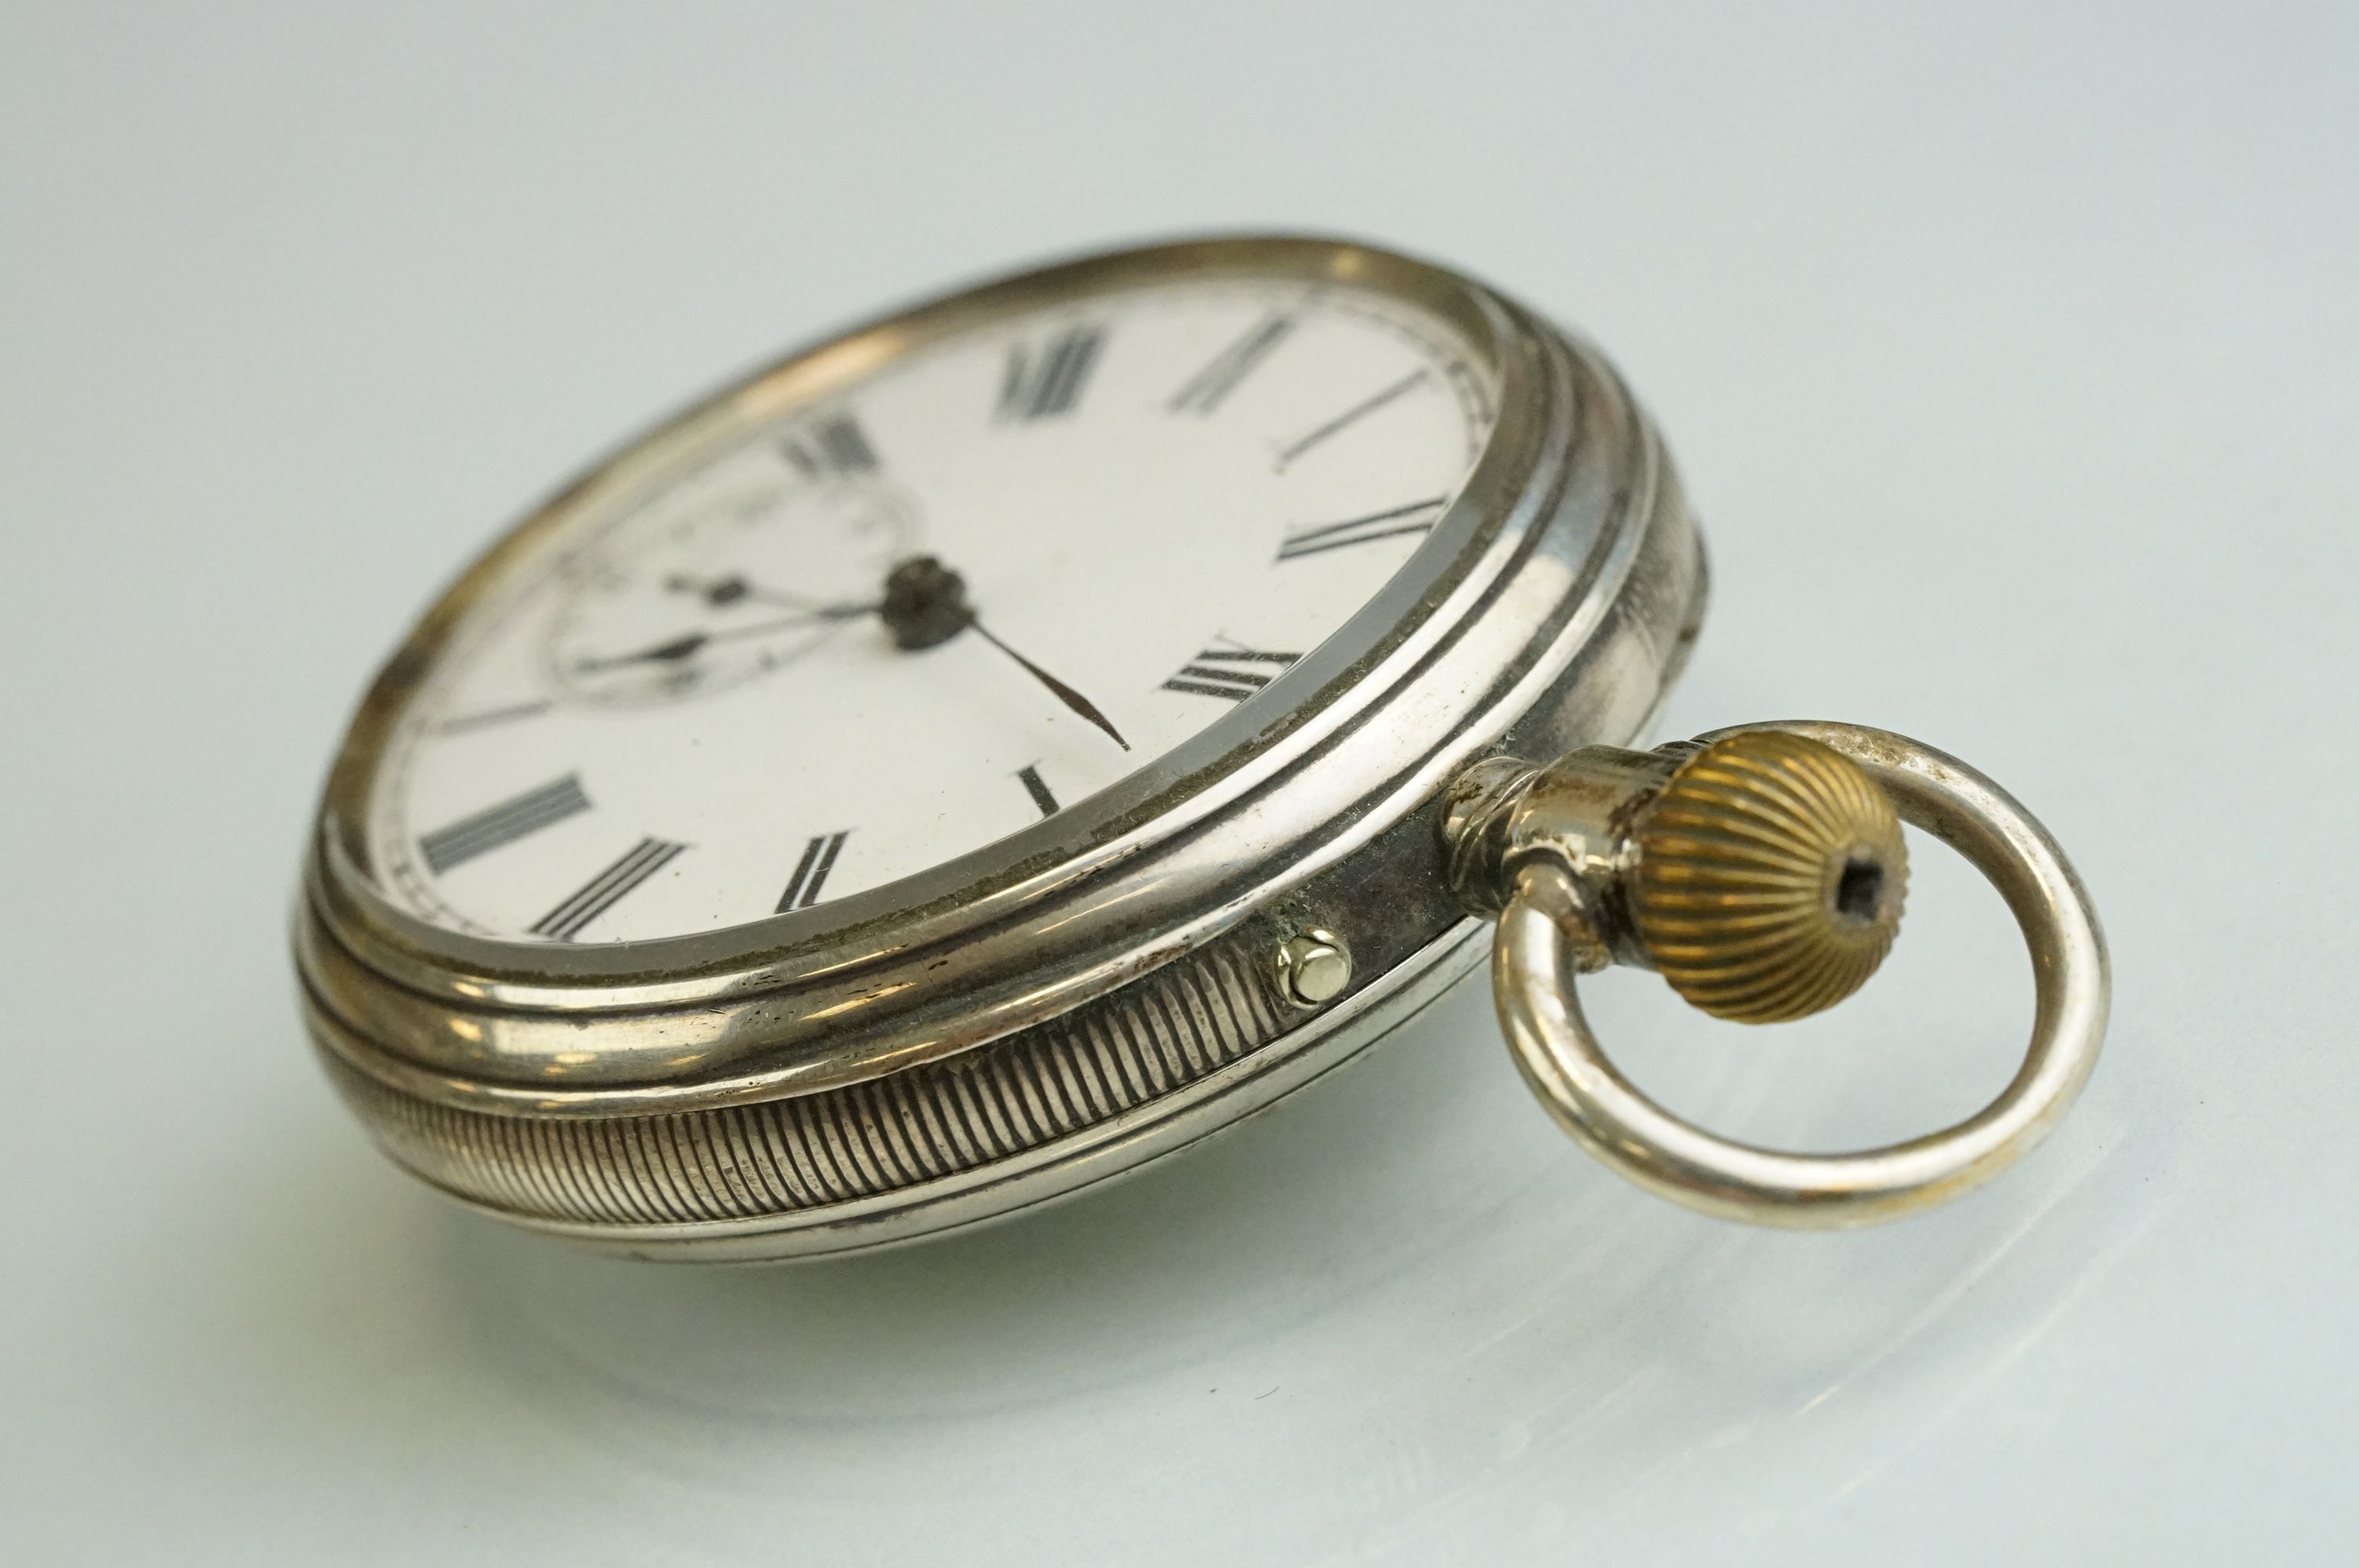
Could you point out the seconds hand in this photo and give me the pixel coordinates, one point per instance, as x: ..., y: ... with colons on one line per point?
x: 735, y: 588
x: 925, y: 603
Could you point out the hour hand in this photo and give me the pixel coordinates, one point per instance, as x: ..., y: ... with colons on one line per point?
x: 689, y: 644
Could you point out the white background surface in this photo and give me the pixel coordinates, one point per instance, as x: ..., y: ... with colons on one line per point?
x: 2009, y: 356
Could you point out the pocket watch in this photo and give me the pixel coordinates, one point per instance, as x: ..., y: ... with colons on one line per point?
x: 1007, y: 743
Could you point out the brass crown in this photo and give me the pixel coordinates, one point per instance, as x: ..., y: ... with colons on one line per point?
x: 1769, y: 877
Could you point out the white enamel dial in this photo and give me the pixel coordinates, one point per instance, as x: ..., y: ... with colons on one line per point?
x: 716, y: 699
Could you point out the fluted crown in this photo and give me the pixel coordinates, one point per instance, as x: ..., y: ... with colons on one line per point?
x: 1769, y: 877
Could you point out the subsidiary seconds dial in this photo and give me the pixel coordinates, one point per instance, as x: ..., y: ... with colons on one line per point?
x: 843, y: 640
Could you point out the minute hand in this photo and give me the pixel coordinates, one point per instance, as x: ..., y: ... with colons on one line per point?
x: 1063, y: 693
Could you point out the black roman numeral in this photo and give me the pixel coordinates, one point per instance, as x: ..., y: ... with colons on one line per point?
x: 810, y: 872
x: 1350, y: 417
x: 1043, y: 382
x: 1037, y: 788
x: 1416, y: 517
x: 605, y: 890
x: 1228, y: 672
x: 505, y: 822
x: 830, y: 447
x: 1207, y: 388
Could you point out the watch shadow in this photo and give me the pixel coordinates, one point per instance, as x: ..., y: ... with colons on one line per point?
x: 1279, y: 1219
x: 1380, y: 1300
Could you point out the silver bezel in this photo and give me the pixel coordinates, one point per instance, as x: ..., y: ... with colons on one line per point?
x: 1551, y: 605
